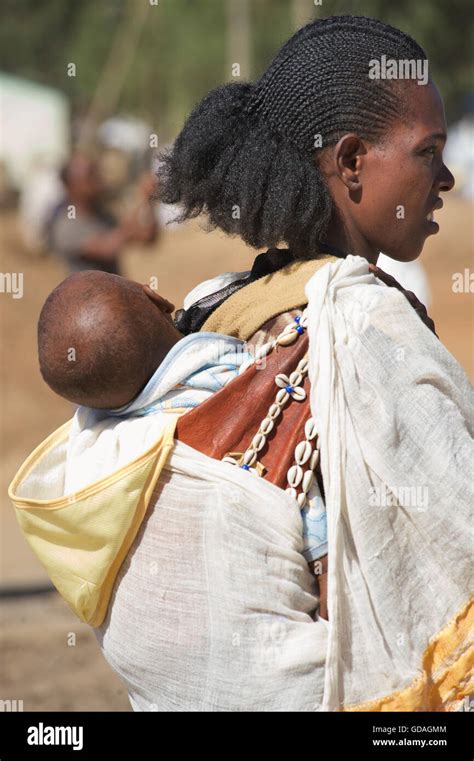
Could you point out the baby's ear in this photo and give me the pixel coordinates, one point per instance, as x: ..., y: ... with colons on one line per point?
x: 165, y: 305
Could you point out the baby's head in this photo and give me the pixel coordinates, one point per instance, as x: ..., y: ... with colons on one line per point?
x: 101, y: 338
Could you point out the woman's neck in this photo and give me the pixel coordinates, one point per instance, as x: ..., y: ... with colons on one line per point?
x: 343, y: 241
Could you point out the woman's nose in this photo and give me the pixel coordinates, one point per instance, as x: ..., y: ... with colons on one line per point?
x: 446, y: 179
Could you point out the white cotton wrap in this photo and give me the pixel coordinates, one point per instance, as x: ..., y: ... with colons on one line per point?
x: 213, y: 608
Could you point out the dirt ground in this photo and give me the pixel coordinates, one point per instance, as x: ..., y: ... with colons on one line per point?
x: 39, y: 663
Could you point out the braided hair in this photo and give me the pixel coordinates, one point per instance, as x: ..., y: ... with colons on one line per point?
x: 247, y: 155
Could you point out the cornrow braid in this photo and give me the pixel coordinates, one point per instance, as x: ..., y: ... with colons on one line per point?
x: 246, y: 154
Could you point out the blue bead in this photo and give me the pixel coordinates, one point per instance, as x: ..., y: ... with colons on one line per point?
x: 245, y: 467
x: 297, y: 319
x: 289, y: 389
x: 299, y: 329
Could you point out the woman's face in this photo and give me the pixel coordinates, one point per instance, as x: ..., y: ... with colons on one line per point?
x: 389, y: 191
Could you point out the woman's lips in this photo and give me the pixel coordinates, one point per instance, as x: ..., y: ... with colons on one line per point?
x: 433, y: 226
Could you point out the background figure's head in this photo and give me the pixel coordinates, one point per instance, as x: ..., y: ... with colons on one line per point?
x: 319, y: 149
x: 101, y: 337
x: 81, y: 178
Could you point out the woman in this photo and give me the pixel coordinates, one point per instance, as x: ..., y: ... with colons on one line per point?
x: 316, y: 152
x: 214, y: 607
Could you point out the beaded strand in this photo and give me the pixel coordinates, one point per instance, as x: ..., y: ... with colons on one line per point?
x: 289, y: 387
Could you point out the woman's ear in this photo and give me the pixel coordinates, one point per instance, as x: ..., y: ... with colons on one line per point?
x: 166, y: 306
x: 348, y: 156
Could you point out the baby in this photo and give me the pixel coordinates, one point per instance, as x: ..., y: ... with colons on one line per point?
x: 101, y: 337
x: 109, y: 344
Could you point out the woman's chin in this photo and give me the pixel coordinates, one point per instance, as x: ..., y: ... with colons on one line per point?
x: 407, y: 252
x: 399, y: 256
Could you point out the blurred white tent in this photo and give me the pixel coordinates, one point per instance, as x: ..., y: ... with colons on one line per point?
x: 35, y: 127
x: 34, y: 143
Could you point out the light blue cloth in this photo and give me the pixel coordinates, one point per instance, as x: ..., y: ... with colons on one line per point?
x: 194, y: 368
x: 315, y: 529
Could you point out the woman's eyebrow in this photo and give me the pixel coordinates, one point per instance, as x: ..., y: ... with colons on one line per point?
x: 435, y: 136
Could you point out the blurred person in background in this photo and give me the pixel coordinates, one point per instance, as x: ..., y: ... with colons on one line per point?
x: 83, y: 233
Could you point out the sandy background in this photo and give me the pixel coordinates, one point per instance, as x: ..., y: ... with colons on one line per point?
x: 48, y: 659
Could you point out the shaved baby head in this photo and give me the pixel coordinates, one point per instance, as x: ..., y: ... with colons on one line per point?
x: 101, y: 338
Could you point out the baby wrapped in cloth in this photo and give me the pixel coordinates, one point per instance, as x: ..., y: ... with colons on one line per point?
x: 102, y: 440
x: 213, y: 607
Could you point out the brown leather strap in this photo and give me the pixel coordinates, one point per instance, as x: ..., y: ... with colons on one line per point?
x: 228, y: 420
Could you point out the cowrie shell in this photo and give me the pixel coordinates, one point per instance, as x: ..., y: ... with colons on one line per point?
x: 230, y: 460
x: 282, y: 397
x: 245, y: 366
x: 298, y: 394
x: 288, y: 338
x: 294, y: 475
x: 266, y: 426
x: 301, y: 499
x: 308, y: 479
x: 264, y: 350
x: 250, y: 457
x: 303, y: 365
x: 310, y: 429
x: 282, y: 380
x: 303, y: 452
x: 258, y: 442
x: 292, y: 492
x: 274, y: 411
x: 314, y: 460
x: 295, y: 378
